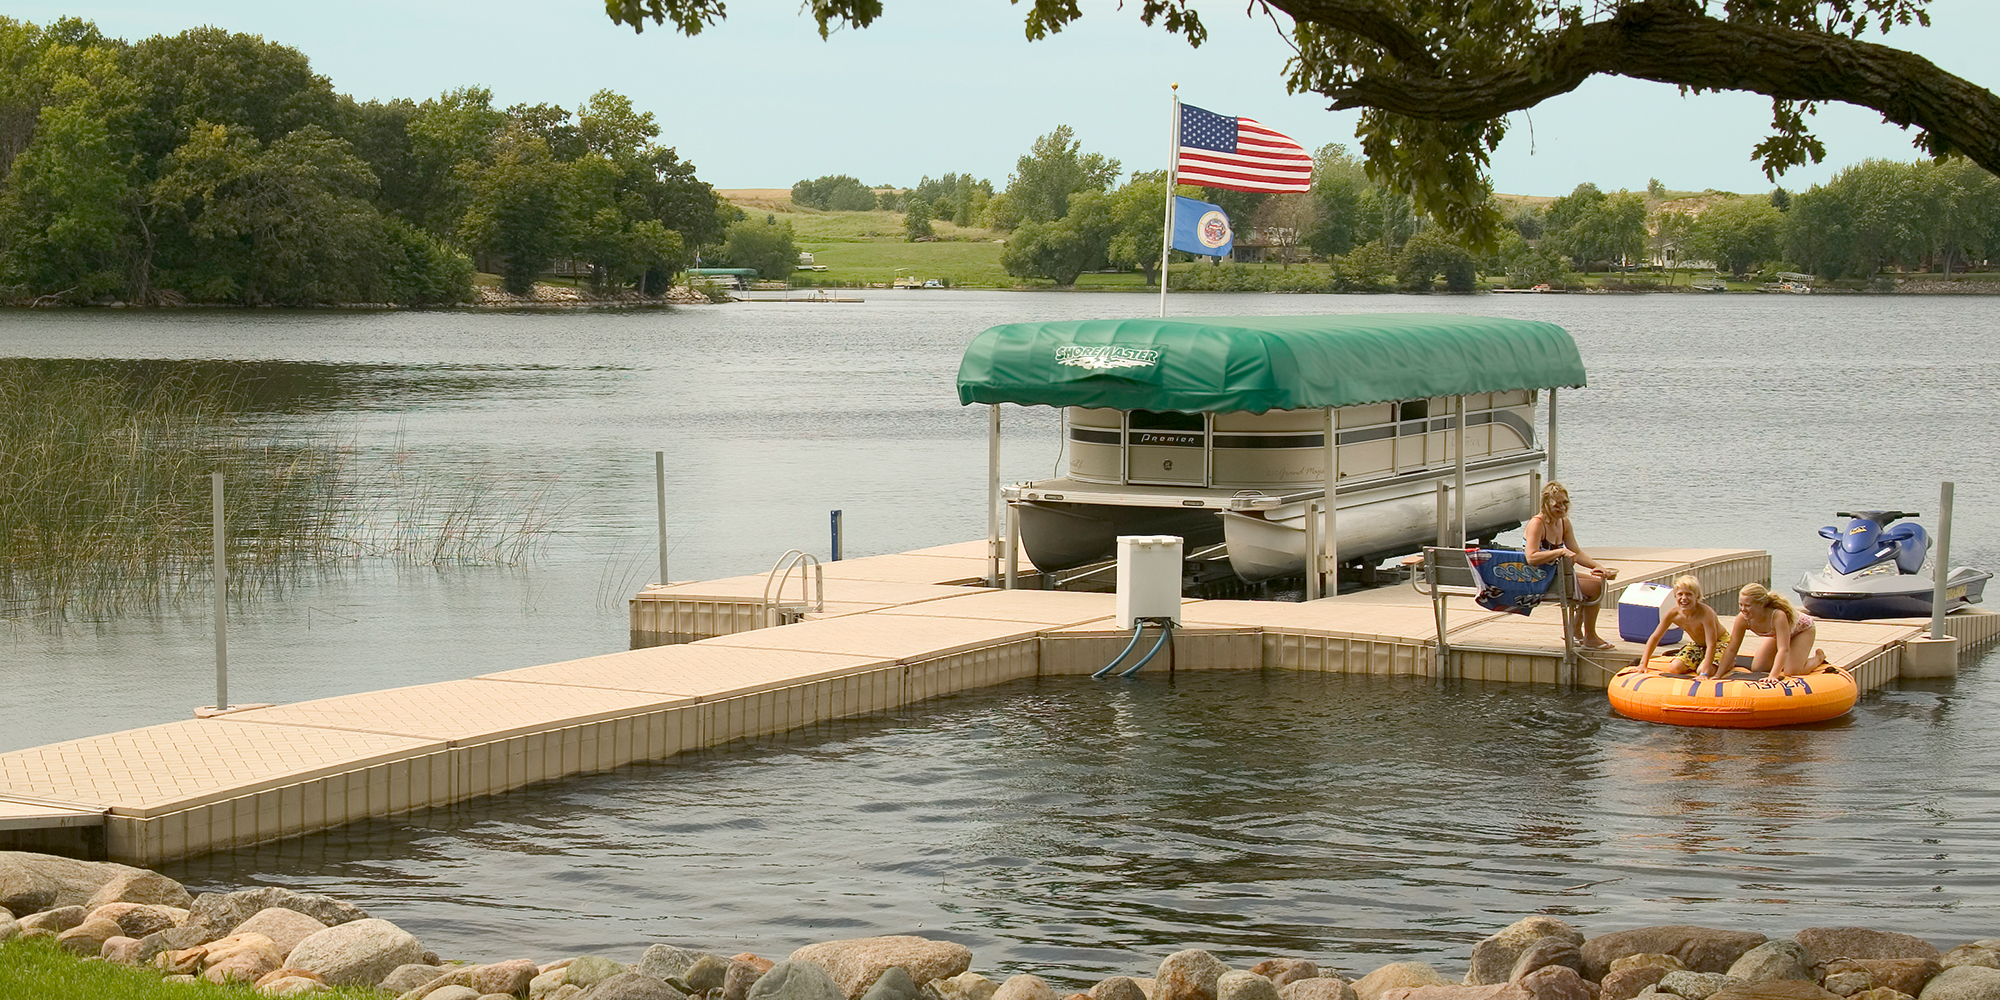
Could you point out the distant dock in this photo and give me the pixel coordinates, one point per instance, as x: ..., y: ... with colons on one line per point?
x: 894, y: 630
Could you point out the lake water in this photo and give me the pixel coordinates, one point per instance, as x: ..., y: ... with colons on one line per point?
x: 1062, y: 825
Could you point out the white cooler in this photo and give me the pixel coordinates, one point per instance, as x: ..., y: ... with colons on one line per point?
x: 1639, y: 610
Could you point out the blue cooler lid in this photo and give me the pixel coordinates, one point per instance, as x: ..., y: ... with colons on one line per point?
x: 1639, y: 613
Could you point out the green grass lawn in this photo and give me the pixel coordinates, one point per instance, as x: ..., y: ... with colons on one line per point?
x: 870, y: 248
x: 856, y: 263
x: 38, y: 970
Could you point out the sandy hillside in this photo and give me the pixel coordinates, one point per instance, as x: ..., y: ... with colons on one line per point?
x: 767, y: 199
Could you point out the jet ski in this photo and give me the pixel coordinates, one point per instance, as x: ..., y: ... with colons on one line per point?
x: 1879, y: 566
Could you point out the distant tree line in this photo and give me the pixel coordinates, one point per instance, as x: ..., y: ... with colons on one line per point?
x: 218, y: 167
x: 957, y: 198
x: 1065, y: 217
x: 1874, y: 216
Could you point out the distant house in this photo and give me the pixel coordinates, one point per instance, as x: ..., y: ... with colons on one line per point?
x: 1267, y: 243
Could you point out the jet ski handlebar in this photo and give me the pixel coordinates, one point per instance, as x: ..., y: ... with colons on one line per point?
x: 1879, y: 516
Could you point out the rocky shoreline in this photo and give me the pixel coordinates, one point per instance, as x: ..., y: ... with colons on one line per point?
x: 288, y: 943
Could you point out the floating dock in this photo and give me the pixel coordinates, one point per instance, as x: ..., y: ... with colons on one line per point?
x: 893, y: 630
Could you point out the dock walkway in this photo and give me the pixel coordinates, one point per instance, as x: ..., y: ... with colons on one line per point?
x: 895, y: 630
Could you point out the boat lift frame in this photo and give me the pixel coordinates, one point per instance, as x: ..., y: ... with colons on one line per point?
x: 999, y: 513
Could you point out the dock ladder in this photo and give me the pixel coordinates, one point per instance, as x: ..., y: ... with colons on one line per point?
x: 776, y: 611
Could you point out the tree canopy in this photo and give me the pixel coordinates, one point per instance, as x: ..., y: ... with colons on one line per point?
x: 1436, y: 82
x: 1052, y: 172
x: 765, y: 244
x: 217, y: 166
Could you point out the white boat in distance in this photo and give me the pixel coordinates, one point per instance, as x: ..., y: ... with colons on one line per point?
x: 1216, y: 429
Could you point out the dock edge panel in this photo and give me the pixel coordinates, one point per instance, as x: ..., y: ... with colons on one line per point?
x: 779, y: 709
x: 316, y: 803
x: 1347, y: 654
x: 1882, y: 667
x: 1973, y: 628
x: 937, y: 676
x: 1069, y: 653
x: 438, y: 777
x: 1722, y: 576
x: 658, y: 621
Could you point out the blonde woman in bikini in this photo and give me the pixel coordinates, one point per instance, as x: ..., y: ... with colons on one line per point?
x: 1551, y: 537
x: 1705, y: 634
x: 1792, y: 633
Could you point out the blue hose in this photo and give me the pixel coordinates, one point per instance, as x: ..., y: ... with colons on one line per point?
x: 1138, y: 629
x: 1166, y: 633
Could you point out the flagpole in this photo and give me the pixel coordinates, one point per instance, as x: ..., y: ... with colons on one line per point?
x: 1173, y: 162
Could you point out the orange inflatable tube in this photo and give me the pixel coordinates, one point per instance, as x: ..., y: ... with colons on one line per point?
x: 1739, y: 701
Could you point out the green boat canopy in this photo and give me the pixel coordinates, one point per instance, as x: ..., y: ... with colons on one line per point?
x: 1226, y: 364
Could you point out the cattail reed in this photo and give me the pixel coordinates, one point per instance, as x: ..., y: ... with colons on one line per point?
x: 104, y: 495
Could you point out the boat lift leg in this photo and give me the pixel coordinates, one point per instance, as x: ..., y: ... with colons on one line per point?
x: 993, y: 495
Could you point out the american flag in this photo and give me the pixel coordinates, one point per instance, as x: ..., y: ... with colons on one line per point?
x: 1238, y: 154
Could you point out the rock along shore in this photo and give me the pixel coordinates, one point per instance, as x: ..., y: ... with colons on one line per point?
x: 288, y: 943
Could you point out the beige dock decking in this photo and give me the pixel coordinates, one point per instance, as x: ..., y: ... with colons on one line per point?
x: 895, y: 629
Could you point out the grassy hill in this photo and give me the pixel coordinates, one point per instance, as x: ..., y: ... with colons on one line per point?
x: 869, y: 248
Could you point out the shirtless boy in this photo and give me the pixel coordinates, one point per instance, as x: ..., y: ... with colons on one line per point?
x: 1705, y: 635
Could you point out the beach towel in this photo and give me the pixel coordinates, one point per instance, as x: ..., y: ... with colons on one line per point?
x: 1507, y: 581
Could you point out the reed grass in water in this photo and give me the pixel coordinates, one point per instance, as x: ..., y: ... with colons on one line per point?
x: 105, y: 496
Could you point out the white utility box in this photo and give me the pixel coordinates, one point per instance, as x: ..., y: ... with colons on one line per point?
x: 1639, y: 611
x: 1149, y: 578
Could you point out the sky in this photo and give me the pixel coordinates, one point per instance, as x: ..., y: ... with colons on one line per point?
x: 953, y: 86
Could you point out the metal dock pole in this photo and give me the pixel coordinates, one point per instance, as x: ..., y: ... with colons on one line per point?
x: 1941, y: 568
x: 221, y: 596
x: 660, y: 494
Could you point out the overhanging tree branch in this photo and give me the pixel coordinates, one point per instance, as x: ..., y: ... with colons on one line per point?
x: 1667, y: 41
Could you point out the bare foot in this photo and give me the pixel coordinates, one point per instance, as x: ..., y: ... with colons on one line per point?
x: 1817, y: 661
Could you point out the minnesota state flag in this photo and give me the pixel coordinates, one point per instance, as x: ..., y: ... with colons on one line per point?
x: 1201, y: 228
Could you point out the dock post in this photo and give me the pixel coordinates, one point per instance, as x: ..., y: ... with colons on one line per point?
x: 834, y: 517
x: 221, y: 595
x: 660, y: 495
x: 1443, y: 514
x: 1329, y: 539
x: 1552, y: 441
x: 1941, y: 566
x: 1458, y: 446
x: 993, y: 495
x: 1312, y: 551
x: 1013, y: 544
